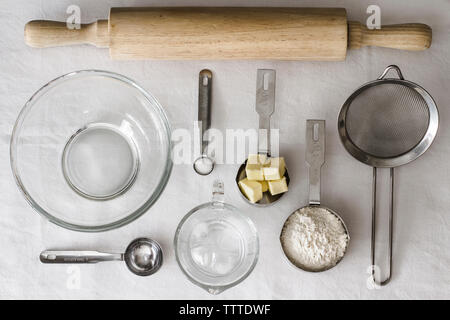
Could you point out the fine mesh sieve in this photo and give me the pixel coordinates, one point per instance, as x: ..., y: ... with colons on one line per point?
x: 387, y: 123
x: 387, y: 112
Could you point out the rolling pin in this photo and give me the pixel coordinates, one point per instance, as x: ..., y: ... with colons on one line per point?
x: 321, y: 34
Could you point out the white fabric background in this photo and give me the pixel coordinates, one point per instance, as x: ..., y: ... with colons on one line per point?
x: 304, y: 90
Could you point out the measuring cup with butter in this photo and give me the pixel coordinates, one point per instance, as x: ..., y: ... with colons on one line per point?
x: 261, y: 179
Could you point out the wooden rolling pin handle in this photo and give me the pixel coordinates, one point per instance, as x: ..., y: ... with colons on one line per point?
x: 410, y: 36
x: 43, y: 34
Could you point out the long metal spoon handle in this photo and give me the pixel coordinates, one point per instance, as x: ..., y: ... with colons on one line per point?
x: 265, y: 106
x: 204, y: 105
x: 78, y: 256
x: 315, y: 156
x: 375, y: 269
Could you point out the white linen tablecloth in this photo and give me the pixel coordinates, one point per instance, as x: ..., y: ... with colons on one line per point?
x: 304, y: 90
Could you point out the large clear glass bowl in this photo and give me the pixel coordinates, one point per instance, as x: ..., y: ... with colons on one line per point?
x: 91, y: 150
x: 216, y: 246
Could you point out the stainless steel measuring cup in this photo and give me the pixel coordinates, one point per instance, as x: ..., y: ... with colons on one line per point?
x: 315, y: 158
x: 265, y: 106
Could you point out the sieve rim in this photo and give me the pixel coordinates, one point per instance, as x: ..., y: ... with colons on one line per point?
x: 403, y: 158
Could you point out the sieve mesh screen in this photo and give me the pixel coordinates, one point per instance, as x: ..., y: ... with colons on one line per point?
x: 387, y: 120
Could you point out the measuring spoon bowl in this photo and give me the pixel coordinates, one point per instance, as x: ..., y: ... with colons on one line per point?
x: 204, y: 165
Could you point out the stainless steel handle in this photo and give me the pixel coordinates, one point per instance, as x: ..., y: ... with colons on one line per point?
x: 265, y: 106
x: 50, y: 256
x: 204, y: 105
x: 391, y: 226
x: 315, y: 156
x: 389, y: 68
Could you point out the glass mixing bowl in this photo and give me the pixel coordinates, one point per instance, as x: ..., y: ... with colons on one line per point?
x: 91, y: 150
x: 216, y: 246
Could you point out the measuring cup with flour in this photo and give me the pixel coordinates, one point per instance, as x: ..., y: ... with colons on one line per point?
x: 314, y: 238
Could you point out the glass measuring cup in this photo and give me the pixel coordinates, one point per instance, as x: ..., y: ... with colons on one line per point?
x: 216, y: 245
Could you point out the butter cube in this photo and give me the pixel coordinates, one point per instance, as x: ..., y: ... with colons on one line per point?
x: 254, y: 171
x: 258, y: 159
x: 275, y: 170
x: 277, y: 186
x: 264, y: 185
x: 251, y: 189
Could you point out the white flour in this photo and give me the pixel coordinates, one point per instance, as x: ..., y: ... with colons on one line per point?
x: 314, y: 238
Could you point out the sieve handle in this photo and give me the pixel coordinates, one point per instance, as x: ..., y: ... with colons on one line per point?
x: 265, y: 106
x: 389, y: 68
x: 315, y: 156
x: 375, y: 268
x: 204, y: 106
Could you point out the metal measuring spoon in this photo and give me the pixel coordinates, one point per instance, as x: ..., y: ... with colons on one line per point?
x: 204, y: 164
x: 265, y: 106
x: 143, y: 256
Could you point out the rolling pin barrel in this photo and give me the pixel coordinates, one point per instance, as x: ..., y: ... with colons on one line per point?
x: 315, y: 34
